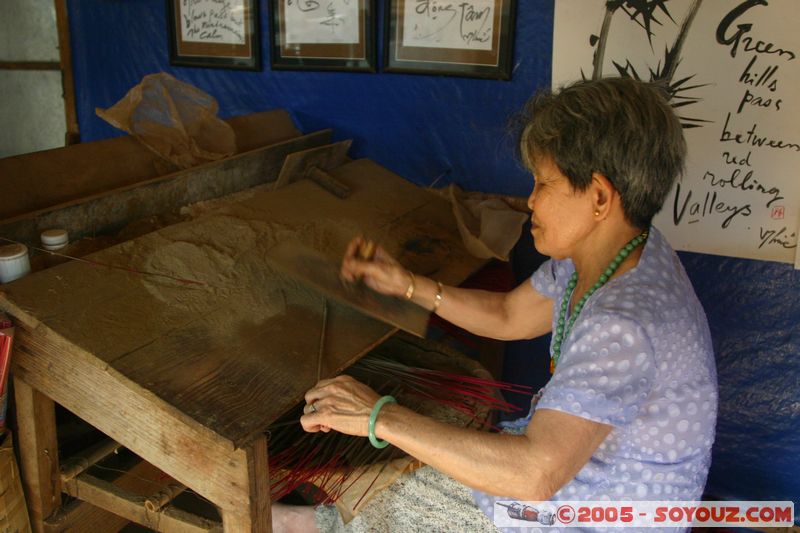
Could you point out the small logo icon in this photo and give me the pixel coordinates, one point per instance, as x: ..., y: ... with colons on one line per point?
x: 529, y: 513
x: 778, y: 212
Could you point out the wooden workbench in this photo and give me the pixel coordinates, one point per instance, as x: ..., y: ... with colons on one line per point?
x: 189, y: 376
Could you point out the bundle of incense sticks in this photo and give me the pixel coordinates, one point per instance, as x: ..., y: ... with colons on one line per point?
x: 325, y: 465
x: 321, y: 465
x: 6, y: 339
x: 469, y: 395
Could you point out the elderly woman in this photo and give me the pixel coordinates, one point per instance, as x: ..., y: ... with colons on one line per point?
x: 630, y: 409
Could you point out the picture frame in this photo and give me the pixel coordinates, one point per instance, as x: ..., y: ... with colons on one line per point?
x: 205, y: 33
x: 317, y: 35
x: 472, y: 38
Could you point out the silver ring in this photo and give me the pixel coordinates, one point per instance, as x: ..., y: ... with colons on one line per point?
x: 313, y: 408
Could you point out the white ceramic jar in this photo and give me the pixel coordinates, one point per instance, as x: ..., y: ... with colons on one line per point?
x: 14, y: 262
x: 54, y: 239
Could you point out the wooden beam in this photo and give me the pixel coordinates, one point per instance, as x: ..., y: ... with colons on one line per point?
x: 30, y: 65
x: 141, y: 478
x: 82, y: 516
x: 81, y: 462
x: 82, y: 171
x: 162, y: 498
x: 38, y: 450
x: 164, y: 437
x: 255, y: 515
x: 110, y: 210
x: 65, y: 52
x: 106, y: 495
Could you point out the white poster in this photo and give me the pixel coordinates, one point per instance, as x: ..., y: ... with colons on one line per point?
x: 213, y: 21
x: 462, y: 25
x: 321, y: 21
x: 734, y: 73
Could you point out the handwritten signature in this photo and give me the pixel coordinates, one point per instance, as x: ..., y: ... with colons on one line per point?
x: 469, y: 16
x: 780, y: 237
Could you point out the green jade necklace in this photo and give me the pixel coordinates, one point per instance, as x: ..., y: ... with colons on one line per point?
x: 562, y: 328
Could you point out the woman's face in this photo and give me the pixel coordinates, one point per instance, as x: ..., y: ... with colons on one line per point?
x: 562, y: 217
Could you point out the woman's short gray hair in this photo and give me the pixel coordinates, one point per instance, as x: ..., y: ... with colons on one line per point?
x: 622, y: 128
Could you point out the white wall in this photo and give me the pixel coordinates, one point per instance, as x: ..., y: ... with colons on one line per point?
x: 31, y: 101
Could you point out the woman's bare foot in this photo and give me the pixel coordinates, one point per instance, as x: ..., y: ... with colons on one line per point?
x: 293, y: 518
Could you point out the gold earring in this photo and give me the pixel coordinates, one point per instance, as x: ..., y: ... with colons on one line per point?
x: 597, y: 213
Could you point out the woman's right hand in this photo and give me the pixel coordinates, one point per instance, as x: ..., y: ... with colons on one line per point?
x: 381, y: 273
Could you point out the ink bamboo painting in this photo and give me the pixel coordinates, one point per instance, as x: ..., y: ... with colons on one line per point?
x: 729, y: 68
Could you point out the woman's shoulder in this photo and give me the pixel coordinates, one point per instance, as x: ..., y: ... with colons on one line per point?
x: 656, y: 298
x: 552, y: 276
x: 658, y: 282
x: 659, y: 261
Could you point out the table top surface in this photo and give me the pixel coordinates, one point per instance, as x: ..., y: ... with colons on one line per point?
x: 237, y: 350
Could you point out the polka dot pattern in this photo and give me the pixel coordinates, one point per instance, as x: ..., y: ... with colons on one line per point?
x: 639, y: 358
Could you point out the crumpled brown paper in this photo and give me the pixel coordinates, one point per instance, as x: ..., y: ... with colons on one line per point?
x: 174, y: 119
x: 368, y: 481
x: 489, y: 226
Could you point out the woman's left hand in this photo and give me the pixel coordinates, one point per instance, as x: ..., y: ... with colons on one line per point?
x: 342, y: 404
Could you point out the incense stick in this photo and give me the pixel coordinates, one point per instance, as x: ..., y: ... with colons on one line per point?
x: 322, y: 337
x: 335, y: 462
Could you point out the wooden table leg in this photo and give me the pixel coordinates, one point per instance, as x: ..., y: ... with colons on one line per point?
x: 255, y: 514
x: 235, y: 480
x: 38, y: 450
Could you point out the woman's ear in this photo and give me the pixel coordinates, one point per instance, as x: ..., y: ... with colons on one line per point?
x: 602, y: 193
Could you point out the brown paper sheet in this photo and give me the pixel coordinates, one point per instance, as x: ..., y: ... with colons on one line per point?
x: 489, y: 226
x: 174, y: 119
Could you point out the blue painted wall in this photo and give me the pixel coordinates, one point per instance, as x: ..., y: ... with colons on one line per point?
x: 423, y: 127
x: 418, y: 126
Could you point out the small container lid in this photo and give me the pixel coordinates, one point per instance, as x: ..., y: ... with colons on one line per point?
x: 13, y: 251
x: 55, y: 237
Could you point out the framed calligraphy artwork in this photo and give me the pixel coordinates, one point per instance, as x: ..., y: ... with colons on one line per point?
x: 323, y: 35
x: 464, y: 38
x: 731, y: 71
x: 214, y: 33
